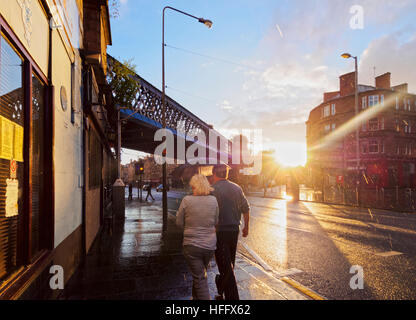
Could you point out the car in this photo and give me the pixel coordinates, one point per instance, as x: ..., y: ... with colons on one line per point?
x: 160, y: 188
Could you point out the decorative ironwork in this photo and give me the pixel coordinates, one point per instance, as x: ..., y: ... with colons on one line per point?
x: 148, y: 103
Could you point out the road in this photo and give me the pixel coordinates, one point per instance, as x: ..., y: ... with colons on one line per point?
x: 319, y: 243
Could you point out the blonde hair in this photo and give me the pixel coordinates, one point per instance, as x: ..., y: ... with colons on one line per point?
x: 200, y: 185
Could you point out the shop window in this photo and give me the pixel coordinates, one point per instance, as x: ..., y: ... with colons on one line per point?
x: 21, y: 226
x: 11, y: 116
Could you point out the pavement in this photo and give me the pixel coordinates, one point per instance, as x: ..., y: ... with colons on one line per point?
x: 133, y: 259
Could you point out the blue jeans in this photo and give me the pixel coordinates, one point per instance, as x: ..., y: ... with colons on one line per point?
x: 198, y: 260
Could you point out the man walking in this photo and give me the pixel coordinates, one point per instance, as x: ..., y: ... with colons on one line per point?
x: 149, y: 192
x: 232, y: 204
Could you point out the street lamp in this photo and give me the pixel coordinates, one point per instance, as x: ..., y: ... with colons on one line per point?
x: 357, y: 132
x: 207, y: 23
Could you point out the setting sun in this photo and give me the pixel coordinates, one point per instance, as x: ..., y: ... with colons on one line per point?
x: 290, y: 154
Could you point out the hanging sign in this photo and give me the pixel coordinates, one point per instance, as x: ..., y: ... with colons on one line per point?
x: 13, y: 169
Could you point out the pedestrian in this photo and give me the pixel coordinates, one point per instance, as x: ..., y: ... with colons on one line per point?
x: 149, y: 192
x: 198, y: 215
x: 232, y: 204
x: 130, y: 191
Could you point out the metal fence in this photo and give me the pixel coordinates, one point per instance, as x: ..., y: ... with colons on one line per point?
x: 400, y: 199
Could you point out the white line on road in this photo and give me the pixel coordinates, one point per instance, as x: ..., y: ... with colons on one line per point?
x: 257, y: 258
x: 388, y: 254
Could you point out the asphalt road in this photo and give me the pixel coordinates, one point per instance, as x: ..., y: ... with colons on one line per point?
x: 319, y: 243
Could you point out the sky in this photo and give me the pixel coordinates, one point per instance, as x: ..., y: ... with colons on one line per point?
x: 264, y: 64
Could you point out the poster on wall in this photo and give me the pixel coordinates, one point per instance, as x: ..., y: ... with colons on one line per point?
x: 12, y: 197
x: 11, y: 140
x: 6, y: 138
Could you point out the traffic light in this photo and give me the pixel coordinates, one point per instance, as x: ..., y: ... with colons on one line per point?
x: 139, y: 168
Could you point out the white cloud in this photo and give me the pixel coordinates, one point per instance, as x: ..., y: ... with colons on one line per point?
x: 389, y: 54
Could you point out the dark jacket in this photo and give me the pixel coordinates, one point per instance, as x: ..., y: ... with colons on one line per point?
x: 232, y: 203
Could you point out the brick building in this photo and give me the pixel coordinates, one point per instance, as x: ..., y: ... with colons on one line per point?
x: 387, y: 143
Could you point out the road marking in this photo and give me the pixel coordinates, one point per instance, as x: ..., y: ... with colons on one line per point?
x: 388, y: 254
x: 303, y: 289
x: 257, y: 258
x: 286, y: 273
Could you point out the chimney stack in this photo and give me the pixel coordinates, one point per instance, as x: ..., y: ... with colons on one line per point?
x: 347, y: 84
x: 383, y: 81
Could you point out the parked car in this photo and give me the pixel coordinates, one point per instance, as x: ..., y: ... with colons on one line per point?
x: 160, y: 188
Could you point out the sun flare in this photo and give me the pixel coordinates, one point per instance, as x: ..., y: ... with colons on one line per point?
x: 290, y: 154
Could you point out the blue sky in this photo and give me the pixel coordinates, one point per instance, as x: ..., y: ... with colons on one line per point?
x: 284, y: 75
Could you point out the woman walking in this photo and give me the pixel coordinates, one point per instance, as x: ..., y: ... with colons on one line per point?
x: 198, y: 215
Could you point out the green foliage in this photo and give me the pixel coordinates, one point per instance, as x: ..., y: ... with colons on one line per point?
x: 121, y: 78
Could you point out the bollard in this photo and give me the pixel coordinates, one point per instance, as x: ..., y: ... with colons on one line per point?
x: 119, y: 199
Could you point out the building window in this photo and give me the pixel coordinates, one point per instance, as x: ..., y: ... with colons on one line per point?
x: 333, y: 109
x: 408, y: 104
x: 364, y: 126
x: 397, y: 125
x: 333, y: 126
x: 382, y: 99
x: 373, y: 146
x: 382, y: 123
x: 397, y: 103
x: 364, y: 102
x: 364, y: 147
x: 373, y: 124
x: 382, y: 146
x: 372, y: 101
x: 326, y: 111
x: 327, y: 127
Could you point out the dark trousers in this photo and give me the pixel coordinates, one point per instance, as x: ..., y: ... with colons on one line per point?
x: 225, y: 258
x: 149, y: 193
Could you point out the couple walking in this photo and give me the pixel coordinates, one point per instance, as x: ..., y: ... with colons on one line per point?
x: 211, y: 220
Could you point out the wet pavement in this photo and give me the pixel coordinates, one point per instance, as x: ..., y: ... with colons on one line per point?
x: 133, y: 259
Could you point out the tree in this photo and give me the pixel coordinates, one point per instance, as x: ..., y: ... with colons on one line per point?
x: 114, y: 6
x: 124, y: 85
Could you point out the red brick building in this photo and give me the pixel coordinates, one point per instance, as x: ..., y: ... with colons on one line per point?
x: 387, y: 140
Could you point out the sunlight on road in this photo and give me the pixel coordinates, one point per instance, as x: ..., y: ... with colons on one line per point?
x: 280, y: 218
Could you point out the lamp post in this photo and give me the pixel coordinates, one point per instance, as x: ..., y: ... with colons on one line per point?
x: 207, y: 23
x: 357, y: 130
